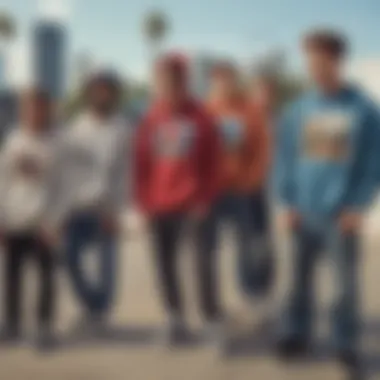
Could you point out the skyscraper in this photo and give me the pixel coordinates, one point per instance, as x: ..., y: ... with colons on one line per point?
x: 49, y: 48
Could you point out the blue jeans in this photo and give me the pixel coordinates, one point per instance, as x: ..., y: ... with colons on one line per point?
x: 343, y: 255
x: 84, y: 230
x: 235, y: 209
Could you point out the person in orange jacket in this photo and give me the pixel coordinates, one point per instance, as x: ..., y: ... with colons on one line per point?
x: 262, y: 97
x: 243, y: 168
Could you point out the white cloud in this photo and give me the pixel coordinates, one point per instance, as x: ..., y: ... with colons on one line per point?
x: 367, y: 73
x: 18, y: 70
x: 55, y: 9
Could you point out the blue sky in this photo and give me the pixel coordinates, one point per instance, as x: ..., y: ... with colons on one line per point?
x: 111, y: 28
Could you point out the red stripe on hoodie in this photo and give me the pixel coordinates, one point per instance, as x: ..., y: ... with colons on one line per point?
x: 177, y: 159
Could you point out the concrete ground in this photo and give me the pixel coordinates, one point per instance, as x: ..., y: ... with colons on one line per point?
x: 133, y: 351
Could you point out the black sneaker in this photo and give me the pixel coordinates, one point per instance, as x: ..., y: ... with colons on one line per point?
x: 213, y: 331
x: 292, y: 348
x: 89, y: 325
x: 46, y: 340
x: 216, y: 334
x: 351, y: 362
x: 177, y: 333
x: 10, y: 336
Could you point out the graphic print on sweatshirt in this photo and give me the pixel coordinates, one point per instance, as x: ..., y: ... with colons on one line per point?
x: 174, y: 139
x: 29, y: 165
x: 326, y: 136
x: 232, y: 130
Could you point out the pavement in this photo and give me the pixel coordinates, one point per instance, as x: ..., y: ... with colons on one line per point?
x: 133, y: 350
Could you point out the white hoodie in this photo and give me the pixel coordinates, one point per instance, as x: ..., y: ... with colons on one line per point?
x: 97, y: 165
x: 29, y: 163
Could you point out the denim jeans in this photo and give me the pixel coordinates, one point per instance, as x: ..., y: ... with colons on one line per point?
x: 343, y: 257
x: 19, y: 248
x: 260, y: 212
x: 84, y: 230
x: 237, y: 210
x: 167, y: 235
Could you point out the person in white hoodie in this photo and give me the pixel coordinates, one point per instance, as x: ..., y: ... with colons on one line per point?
x: 29, y: 164
x: 96, y: 191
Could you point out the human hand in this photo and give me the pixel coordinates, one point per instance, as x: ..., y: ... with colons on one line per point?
x: 135, y: 222
x: 200, y: 212
x: 51, y: 236
x: 350, y: 221
x: 290, y: 219
x: 110, y: 223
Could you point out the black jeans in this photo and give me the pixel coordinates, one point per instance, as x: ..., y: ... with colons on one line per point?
x: 260, y: 212
x: 167, y: 230
x: 18, y: 248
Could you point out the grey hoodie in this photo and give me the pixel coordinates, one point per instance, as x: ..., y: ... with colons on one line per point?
x: 96, y: 174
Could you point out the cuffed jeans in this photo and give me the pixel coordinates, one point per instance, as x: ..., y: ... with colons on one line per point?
x: 343, y: 257
x: 84, y: 230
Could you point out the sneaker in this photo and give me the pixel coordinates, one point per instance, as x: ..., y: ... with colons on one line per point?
x: 292, y: 348
x: 99, y: 325
x: 46, y: 339
x: 215, y: 333
x: 351, y: 362
x: 177, y: 333
x: 10, y: 336
x: 90, y: 324
x: 212, y: 331
x: 81, y: 326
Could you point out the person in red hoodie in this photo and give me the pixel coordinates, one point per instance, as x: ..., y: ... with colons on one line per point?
x: 177, y: 180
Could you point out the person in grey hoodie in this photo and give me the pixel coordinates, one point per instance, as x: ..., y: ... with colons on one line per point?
x: 29, y: 164
x: 96, y: 189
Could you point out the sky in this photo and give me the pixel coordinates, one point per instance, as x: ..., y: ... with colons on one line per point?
x: 111, y: 29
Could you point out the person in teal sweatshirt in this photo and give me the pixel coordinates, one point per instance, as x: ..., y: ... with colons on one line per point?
x: 326, y: 174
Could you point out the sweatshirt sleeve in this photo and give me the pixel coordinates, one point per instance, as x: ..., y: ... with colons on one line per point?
x: 285, y: 156
x: 4, y: 178
x: 364, y: 178
x: 121, y: 171
x: 209, y: 158
x: 57, y: 205
x: 259, y: 153
x: 142, y: 162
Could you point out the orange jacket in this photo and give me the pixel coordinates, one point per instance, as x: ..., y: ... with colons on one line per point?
x: 246, y: 145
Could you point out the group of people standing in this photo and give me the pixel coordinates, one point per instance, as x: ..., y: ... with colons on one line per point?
x: 195, y: 163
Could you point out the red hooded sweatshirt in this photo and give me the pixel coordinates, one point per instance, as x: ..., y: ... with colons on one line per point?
x: 177, y: 159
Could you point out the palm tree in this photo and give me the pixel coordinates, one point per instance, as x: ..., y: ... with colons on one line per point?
x: 155, y: 29
x: 7, y: 33
x: 7, y: 27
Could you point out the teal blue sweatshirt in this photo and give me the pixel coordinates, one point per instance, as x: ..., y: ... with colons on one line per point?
x: 328, y: 154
